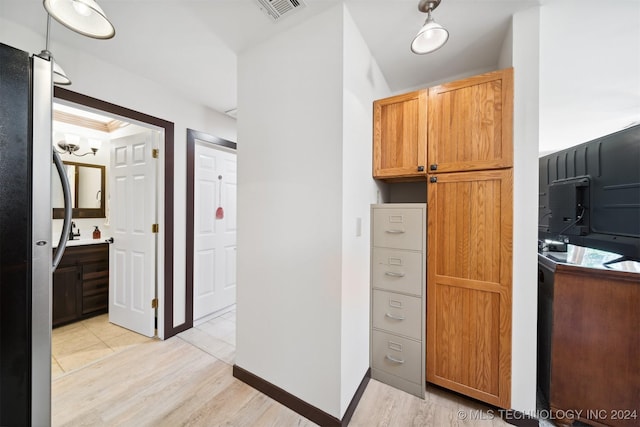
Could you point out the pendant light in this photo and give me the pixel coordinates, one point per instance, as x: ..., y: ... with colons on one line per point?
x: 82, y: 16
x: 432, y: 36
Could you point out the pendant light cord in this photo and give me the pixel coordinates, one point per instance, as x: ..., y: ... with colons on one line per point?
x: 46, y: 46
x: 46, y: 54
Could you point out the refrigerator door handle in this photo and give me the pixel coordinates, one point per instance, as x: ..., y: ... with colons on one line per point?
x: 66, y: 226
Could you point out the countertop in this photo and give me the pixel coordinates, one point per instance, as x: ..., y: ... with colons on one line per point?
x: 589, y: 259
x: 82, y: 242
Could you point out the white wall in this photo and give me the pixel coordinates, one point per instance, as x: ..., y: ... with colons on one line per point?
x: 577, y: 77
x: 303, y: 273
x: 290, y: 210
x: 363, y: 82
x: 96, y: 78
x: 524, y: 54
x: 589, y: 70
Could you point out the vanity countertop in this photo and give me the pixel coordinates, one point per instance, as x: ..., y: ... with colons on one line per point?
x: 81, y: 242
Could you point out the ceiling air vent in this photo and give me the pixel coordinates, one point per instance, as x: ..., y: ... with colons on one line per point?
x: 276, y: 9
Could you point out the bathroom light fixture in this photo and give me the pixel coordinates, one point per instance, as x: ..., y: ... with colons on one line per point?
x: 59, y: 76
x: 432, y: 36
x: 82, y: 16
x: 71, y: 144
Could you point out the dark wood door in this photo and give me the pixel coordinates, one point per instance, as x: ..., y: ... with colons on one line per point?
x: 66, y: 295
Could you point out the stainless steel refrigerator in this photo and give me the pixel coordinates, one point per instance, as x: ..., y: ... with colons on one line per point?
x: 25, y: 238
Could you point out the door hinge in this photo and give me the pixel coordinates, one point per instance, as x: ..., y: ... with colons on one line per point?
x: 154, y: 303
x: 155, y: 228
x: 155, y: 153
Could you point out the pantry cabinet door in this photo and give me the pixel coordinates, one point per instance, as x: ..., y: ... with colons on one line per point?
x: 469, y: 286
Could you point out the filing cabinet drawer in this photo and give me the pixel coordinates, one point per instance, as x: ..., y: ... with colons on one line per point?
x: 400, y: 314
x: 396, y: 356
x: 399, y: 228
x: 399, y: 271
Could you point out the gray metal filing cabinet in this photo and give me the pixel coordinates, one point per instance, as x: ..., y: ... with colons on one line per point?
x: 398, y: 291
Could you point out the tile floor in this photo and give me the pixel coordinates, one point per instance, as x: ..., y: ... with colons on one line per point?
x: 82, y: 343
x: 216, y: 336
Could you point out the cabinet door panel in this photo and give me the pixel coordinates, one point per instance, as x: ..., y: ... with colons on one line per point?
x: 469, y: 284
x: 65, y: 295
x: 470, y: 123
x: 400, y: 136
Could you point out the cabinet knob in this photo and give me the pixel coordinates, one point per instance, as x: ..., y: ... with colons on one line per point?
x: 420, y: 168
x: 433, y: 179
x: 433, y: 167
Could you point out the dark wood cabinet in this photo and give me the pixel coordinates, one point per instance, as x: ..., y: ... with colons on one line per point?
x: 81, y: 284
x: 594, y: 345
x: 65, y: 294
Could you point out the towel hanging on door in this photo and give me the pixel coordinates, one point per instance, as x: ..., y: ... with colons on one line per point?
x: 220, y: 210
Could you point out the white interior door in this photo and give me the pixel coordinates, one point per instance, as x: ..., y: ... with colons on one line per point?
x: 214, y: 276
x: 132, y: 272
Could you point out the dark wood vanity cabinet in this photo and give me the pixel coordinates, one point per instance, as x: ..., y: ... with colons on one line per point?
x: 81, y: 284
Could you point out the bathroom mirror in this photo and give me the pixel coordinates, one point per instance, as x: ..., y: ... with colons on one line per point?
x: 87, y: 190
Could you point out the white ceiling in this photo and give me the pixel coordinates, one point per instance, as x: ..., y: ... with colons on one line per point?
x: 192, y: 45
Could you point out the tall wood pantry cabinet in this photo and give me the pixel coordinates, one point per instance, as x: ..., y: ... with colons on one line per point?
x: 469, y: 160
x: 469, y: 238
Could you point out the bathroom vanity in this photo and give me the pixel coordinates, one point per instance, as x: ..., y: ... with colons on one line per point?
x: 81, y: 282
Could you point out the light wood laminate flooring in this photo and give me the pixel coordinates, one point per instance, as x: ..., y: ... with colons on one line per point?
x: 187, y: 381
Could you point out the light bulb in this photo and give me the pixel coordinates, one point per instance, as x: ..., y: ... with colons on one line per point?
x: 81, y: 8
x: 72, y: 139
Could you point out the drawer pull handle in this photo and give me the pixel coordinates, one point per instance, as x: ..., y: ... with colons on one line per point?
x: 394, y: 360
x: 395, y: 231
x: 391, y: 316
x: 393, y: 274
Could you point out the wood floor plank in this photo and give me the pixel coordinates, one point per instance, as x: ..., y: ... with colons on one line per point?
x: 175, y: 383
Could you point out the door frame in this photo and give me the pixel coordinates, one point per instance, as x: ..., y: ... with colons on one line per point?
x: 192, y: 136
x: 167, y: 296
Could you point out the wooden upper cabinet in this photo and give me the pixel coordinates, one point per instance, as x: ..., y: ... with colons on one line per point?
x: 400, y: 136
x: 470, y: 123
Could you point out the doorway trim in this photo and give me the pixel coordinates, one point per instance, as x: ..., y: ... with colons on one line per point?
x: 192, y: 136
x: 77, y: 98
